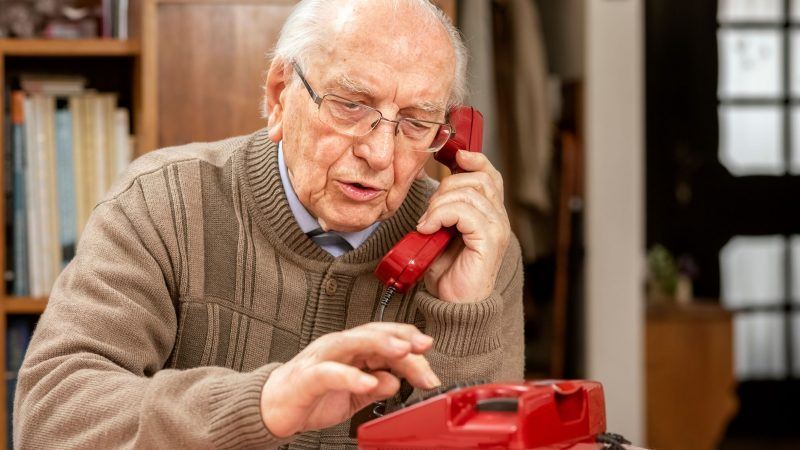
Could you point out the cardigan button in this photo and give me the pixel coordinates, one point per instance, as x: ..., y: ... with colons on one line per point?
x: 330, y: 286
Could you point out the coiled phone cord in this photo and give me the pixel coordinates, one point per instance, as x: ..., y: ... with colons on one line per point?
x: 384, y: 301
x: 379, y: 408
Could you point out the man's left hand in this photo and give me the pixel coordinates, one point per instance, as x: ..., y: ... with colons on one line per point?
x: 472, y: 202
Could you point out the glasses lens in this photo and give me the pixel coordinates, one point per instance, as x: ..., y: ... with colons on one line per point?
x: 347, y: 117
x: 442, y: 135
x: 423, y: 136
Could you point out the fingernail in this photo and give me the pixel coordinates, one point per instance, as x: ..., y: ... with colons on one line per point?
x: 432, y: 380
x: 423, y: 339
x: 366, y: 380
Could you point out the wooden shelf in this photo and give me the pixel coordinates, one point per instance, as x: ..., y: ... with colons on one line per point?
x: 24, y: 305
x: 69, y: 47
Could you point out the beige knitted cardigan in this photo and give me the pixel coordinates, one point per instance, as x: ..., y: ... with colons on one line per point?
x: 192, y: 281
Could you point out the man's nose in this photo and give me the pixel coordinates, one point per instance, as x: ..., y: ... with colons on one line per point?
x: 378, y: 147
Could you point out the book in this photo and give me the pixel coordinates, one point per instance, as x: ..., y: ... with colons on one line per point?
x: 52, y: 84
x: 49, y: 204
x: 19, y: 214
x: 77, y: 105
x: 43, y: 238
x: 107, y: 18
x: 31, y: 198
x: 122, y: 19
x: 123, y: 144
x: 8, y: 191
x: 108, y: 104
x: 96, y: 147
x: 65, y: 181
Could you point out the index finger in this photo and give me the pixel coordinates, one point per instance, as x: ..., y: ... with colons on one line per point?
x: 389, y: 340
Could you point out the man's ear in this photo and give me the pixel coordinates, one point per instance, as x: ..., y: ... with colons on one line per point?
x: 274, y: 107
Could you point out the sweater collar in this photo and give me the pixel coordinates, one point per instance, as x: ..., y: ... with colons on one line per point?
x: 258, y: 176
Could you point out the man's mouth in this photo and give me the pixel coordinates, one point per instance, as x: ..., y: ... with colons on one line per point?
x: 359, y: 191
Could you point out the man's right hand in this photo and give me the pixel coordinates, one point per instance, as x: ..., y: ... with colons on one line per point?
x: 340, y: 373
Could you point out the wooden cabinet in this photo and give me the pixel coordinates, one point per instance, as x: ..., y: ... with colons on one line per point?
x: 690, y: 382
x: 204, y: 64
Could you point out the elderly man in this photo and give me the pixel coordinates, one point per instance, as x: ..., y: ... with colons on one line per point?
x: 222, y: 294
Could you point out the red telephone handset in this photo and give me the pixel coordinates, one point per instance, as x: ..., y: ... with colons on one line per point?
x: 408, y: 260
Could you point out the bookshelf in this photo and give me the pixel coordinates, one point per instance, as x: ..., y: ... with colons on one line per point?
x: 24, y: 305
x: 92, y: 58
x: 66, y: 48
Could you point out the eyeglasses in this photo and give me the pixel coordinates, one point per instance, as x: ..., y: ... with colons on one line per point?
x: 357, y: 120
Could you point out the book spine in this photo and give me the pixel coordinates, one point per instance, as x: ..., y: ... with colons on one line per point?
x: 8, y: 180
x: 123, y: 149
x: 89, y: 156
x: 65, y: 181
x: 99, y: 148
x: 122, y: 19
x: 20, y: 236
x: 107, y: 19
x: 53, y: 247
x: 41, y: 205
x: 31, y: 191
x: 109, y: 126
x: 78, y: 109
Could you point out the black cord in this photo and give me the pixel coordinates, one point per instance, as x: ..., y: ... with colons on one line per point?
x: 385, y: 299
x: 612, y: 441
x: 379, y: 408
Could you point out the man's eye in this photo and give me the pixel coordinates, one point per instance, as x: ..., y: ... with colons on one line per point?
x: 415, y: 129
x: 414, y: 125
x: 352, y: 106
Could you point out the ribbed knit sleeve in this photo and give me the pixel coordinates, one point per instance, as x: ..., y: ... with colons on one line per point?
x: 463, y: 329
x: 93, y: 377
x: 482, y: 340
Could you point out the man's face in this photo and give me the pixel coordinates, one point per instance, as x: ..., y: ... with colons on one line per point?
x: 384, y: 60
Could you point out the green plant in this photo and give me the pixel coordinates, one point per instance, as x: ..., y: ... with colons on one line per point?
x: 662, y: 271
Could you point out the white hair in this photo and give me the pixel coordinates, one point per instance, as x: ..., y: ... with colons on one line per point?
x: 304, y: 31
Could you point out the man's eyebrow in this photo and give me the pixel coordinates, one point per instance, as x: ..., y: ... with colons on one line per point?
x: 430, y: 107
x: 352, y: 86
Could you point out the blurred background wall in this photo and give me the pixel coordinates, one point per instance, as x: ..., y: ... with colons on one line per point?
x: 614, y: 76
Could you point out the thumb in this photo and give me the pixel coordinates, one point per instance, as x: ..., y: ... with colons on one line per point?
x: 388, y: 385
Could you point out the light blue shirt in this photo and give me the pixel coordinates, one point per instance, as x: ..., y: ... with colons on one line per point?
x: 308, y: 223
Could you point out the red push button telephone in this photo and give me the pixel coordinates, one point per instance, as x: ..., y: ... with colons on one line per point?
x: 524, y: 415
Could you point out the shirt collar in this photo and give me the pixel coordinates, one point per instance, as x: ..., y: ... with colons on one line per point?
x: 304, y: 219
